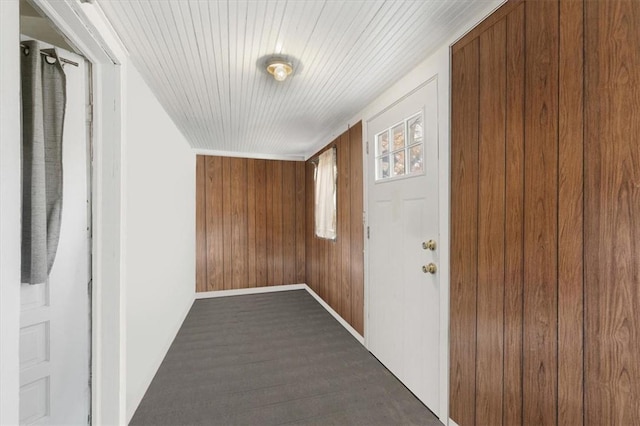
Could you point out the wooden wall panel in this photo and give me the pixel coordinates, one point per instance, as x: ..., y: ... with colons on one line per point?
x: 277, y: 242
x: 215, y: 234
x: 239, y: 223
x: 310, y: 251
x: 541, y: 214
x: 612, y: 212
x: 571, y: 260
x: 201, y: 227
x: 253, y: 227
x: 491, y: 225
x: 262, y: 258
x: 289, y: 223
x: 300, y: 222
x: 227, y: 265
x: 251, y: 224
x: 464, y: 232
x: 570, y: 215
x: 514, y: 219
x: 335, y: 269
x: 270, y: 222
x: 344, y: 225
x: 357, y: 228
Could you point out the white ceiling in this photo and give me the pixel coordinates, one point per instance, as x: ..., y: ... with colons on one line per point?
x: 204, y: 61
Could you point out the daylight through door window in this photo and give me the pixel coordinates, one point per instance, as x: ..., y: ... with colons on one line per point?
x: 400, y: 149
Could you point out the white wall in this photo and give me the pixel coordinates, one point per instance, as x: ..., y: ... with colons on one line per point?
x: 158, y: 238
x: 10, y: 200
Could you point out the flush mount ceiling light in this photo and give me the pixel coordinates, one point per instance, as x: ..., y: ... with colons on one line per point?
x: 279, y: 68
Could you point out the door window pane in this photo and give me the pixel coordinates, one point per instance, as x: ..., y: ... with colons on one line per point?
x: 415, y: 129
x: 383, y: 142
x: 415, y: 159
x: 398, y: 163
x: 400, y: 149
x: 398, y: 136
x: 383, y: 167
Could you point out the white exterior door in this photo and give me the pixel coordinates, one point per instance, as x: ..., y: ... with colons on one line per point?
x: 403, y: 329
x: 55, y: 316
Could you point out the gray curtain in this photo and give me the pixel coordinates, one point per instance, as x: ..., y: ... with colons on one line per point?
x: 43, y: 108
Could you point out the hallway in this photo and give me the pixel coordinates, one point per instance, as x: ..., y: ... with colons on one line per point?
x: 275, y: 358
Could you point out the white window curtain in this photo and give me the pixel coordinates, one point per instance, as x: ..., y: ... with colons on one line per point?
x: 325, y: 195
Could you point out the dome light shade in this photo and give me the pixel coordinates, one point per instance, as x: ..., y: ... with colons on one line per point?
x: 279, y: 68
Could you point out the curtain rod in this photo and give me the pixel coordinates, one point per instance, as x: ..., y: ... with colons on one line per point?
x: 316, y: 158
x: 49, y: 53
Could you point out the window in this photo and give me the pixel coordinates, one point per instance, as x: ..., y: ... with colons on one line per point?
x: 399, y: 149
x: 325, y: 195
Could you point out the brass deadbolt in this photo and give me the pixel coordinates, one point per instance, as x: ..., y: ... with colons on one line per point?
x: 429, y: 245
x: 431, y: 268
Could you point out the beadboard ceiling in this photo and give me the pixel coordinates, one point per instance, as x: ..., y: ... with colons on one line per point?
x: 204, y: 60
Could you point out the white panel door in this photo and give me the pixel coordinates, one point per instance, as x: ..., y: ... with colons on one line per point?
x: 404, y: 301
x: 55, y: 316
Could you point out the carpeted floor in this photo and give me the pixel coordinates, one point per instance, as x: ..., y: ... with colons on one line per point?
x: 273, y: 359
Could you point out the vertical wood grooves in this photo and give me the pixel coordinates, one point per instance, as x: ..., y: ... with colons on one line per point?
x: 571, y: 260
x: 491, y: 209
x: 541, y: 250
x: 612, y: 212
x: 514, y: 218
x: 464, y: 249
x: 570, y: 214
x: 251, y: 217
x: 335, y: 269
x: 201, y: 226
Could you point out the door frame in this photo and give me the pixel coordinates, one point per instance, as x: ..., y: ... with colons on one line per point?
x: 74, y: 20
x: 434, y: 68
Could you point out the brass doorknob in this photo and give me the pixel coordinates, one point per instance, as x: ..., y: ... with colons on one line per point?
x: 431, y: 268
x: 429, y: 245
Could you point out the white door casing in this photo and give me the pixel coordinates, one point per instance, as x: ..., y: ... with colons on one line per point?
x: 403, y: 301
x: 55, y: 339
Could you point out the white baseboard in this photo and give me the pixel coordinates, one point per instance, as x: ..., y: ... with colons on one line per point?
x: 257, y: 290
x: 338, y: 318
x: 452, y: 423
x: 252, y: 290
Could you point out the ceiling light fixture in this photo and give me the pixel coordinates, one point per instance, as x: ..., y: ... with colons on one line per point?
x: 279, y: 68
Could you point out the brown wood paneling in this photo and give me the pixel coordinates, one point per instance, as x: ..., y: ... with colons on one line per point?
x: 289, y: 223
x: 540, y: 225
x: 612, y: 212
x: 251, y: 224
x: 514, y: 219
x: 357, y: 230
x: 487, y: 23
x: 310, y: 255
x: 570, y: 214
x: 252, y: 235
x: 572, y: 292
x: 277, y: 237
x: 344, y: 225
x: 201, y: 226
x: 335, y: 269
x: 464, y: 230
x: 262, y: 256
x: 270, y: 221
x: 215, y: 236
x: 491, y: 219
x: 227, y: 237
x: 239, y: 223
x: 300, y: 222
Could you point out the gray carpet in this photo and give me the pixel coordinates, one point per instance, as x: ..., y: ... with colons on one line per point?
x: 273, y: 359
